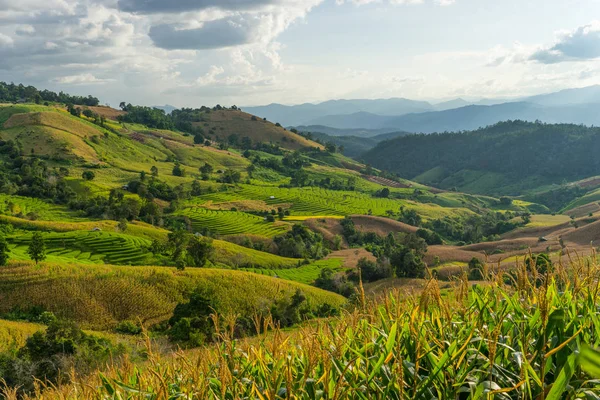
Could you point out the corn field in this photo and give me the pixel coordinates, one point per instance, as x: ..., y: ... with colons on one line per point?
x: 516, y: 337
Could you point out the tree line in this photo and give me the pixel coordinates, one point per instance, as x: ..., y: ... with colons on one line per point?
x: 11, y: 93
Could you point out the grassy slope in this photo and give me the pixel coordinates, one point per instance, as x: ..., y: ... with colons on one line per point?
x: 225, y: 123
x: 99, y: 296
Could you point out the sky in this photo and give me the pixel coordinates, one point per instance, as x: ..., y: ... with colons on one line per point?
x: 253, y: 52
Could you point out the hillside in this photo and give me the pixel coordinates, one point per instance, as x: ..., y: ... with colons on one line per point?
x: 224, y: 123
x: 353, y: 146
x: 108, y: 294
x: 507, y: 158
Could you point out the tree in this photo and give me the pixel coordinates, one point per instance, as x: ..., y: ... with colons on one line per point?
x: 231, y: 176
x: 177, y: 242
x: 88, y: 175
x: 330, y: 147
x: 89, y: 113
x: 37, y: 248
x: 198, y: 139
x: 4, y: 252
x: 199, y: 251
x: 154, y: 171
x: 196, y: 188
x: 383, y: 193
x: 206, y: 170
x: 178, y: 170
x: 475, y: 269
x: 410, y: 217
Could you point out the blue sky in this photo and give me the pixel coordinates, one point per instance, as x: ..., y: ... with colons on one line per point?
x: 251, y: 52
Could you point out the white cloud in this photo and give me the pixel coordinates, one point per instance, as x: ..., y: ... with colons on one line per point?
x: 80, y: 79
x: 6, y: 41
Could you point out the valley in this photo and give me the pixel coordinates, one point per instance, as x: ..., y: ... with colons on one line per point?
x: 214, y: 231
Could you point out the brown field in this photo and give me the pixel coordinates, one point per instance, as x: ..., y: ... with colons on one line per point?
x: 385, y: 182
x: 585, y: 210
x: 106, y: 112
x: 380, y: 225
x: 589, y: 183
x: 504, y: 245
x: 450, y: 253
x: 584, y: 235
x: 350, y: 257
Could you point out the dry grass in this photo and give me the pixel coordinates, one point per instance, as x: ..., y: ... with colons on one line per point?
x: 350, y: 257
x: 107, y: 112
x: 381, y: 225
x: 227, y: 122
x: 450, y: 253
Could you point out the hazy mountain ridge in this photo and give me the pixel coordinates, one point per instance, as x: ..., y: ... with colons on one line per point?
x: 566, y: 106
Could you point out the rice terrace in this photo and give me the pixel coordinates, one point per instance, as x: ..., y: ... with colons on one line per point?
x: 413, y: 214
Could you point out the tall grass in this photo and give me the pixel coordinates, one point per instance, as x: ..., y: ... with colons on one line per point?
x: 514, y: 337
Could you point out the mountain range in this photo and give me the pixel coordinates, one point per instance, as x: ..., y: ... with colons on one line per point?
x: 398, y: 114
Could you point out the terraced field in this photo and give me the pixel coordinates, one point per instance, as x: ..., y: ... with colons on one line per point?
x: 231, y: 254
x: 87, y: 247
x: 18, y: 205
x: 232, y: 222
x: 305, y: 274
x: 313, y: 201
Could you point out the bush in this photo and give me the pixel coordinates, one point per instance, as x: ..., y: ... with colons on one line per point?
x: 128, y: 328
x: 475, y: 269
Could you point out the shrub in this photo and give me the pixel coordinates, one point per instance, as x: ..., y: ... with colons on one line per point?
x: 128, y: 328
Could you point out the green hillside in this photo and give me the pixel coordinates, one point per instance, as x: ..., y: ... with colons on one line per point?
x: 509, y: 158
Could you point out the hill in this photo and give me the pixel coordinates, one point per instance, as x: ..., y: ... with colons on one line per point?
x: 222, y: 124
x: 98, y: 297
x: 506, y: 158
x: 353, y: 146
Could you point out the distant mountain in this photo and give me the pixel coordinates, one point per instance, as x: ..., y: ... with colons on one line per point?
x: 506, y: 158
x: 359, y: 132
x: 362, y: 119
x: 355, y: 146
x: 469, y: 117
x: 167, y: 108
x: 590, y: 94
x: 303, y: 114
x: 399, y: 114
x: 448, y: 105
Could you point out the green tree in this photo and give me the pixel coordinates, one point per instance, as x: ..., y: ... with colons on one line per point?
x: 178, y: 170
x: 231, y: 176
x: 88, y: 175
x: 199, y: 251
x: 37, y: 248
x: 154, y: 171
x: 4, y: 251
x: 475, y: 269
